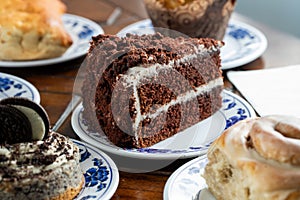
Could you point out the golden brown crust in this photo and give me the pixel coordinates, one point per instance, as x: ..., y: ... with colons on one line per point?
x: 32, y: 29
x: 171, y: 4
x: 70, y: 193
x: 269, y: 133
x: 256, y: 159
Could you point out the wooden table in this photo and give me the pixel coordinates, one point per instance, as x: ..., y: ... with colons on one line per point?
x: 55, y: 83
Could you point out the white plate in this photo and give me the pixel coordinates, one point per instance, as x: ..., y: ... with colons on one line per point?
x: 186, y: 182
x: 100, y: 172
x: 180, y: 145
x: 13, y: 86
x: 80, y: 29
x: 243, y: 43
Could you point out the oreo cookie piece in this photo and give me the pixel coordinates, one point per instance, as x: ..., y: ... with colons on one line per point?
x: 14, y: 126
x: 35, y: 114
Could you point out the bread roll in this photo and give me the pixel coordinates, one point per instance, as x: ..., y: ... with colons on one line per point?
x: 32, y: 29
x: 256, y: 159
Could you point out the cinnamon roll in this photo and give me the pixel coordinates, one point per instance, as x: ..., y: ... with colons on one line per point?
x: 256, y: 159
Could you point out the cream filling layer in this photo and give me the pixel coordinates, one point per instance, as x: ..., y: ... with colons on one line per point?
x: 134, y: 76
x: 179, y: 100
x: 37, y: 123
x: 186, y: 97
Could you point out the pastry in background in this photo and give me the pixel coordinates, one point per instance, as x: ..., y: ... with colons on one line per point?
x: 195, y: 18
x: 256, y: 159
x: 32, y: 29
x: 35, y: 163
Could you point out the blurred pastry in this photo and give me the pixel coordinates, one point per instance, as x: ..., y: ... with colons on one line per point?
x: 195, y: 18
x: 32, y: 29
x: 35, y: 163
x: 256, y: 159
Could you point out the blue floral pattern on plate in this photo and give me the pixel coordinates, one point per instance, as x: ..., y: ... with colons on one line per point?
x: 239, y: 33
x: 233, y: 110
x: 243, y: 43
x: 81, y: 31
x: 186, y: 181
x: 12, y: 86
x: 100, y: 173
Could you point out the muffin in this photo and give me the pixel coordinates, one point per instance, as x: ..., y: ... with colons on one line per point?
x: 195, y: 18
x: 35, y: 163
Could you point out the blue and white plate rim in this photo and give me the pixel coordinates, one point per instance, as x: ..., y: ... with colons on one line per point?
x: 87, y: 26
x: 18, y: 87
x: 188, y: 176
x: 111, y: 184
x: 242, y: 110
x: 247, y: 50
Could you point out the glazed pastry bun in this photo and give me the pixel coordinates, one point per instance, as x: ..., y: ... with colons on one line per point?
x: 32, y: 29
x: 256, y: 159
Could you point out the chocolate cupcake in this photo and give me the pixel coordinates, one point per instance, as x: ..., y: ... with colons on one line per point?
x: 195, y: 18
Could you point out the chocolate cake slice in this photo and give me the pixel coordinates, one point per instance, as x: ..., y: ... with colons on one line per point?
x: 140, y: 90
